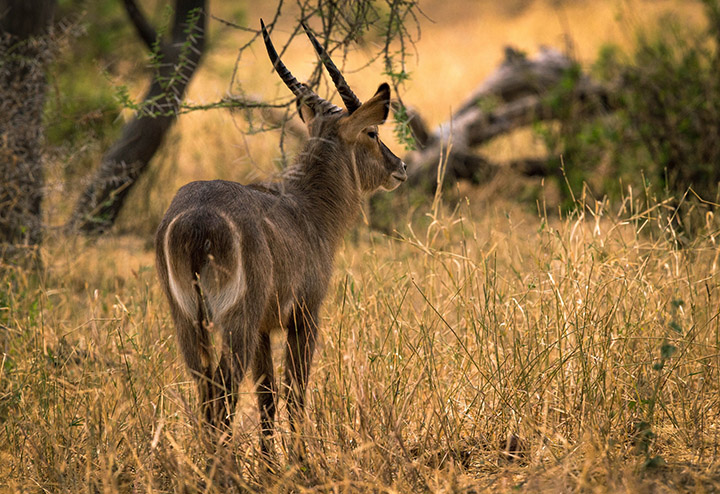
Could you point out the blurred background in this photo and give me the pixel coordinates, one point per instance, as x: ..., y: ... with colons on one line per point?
x: 450, y: 49
x: 535, y: 309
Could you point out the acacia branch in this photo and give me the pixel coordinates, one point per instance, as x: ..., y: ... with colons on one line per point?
x: 274, y: 114
x: 128, y: 157
x: 174, y: 64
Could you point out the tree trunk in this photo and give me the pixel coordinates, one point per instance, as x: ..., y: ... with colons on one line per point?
x: 128, y: 158
x: 25, y: 49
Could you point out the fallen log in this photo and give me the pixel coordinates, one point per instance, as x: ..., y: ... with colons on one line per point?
x: 514, y: 96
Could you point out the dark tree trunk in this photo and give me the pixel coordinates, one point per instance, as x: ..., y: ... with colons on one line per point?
x: 128, y: 158
x: 25, y: 49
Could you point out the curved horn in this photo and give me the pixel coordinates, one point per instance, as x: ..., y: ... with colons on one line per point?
x: 303, y: 93
x: 351, y: 101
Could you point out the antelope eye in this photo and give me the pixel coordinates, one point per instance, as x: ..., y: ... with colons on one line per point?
x: 372, y: 134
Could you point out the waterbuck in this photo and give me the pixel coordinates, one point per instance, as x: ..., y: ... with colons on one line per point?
x: 242, y: 260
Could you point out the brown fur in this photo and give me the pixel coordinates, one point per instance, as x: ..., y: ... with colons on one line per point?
x: 243, y: 260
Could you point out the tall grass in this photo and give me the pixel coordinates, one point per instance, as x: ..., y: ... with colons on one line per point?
x: 467, y: 353
x: 478, y: 349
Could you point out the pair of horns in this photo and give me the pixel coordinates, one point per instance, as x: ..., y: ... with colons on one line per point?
x: 304, y: 93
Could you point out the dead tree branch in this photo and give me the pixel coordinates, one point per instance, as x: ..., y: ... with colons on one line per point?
x: 514, y: 96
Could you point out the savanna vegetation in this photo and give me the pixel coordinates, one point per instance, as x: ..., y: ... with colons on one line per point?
x: 527, y: 334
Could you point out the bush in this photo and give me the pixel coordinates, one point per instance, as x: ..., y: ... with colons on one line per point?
x: 667, y: 118
x: 672, y: 97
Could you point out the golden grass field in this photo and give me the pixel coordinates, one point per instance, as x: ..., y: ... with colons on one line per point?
x: 484, y: 346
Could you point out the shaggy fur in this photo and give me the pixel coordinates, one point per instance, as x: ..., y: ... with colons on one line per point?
x: 242, y: 260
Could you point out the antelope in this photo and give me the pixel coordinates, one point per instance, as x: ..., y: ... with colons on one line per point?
x: 244, y: 260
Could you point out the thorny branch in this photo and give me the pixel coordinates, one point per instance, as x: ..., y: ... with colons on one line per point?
x: 343, y: 25
x: 175, y: 61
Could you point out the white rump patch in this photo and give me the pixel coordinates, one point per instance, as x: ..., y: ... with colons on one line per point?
x: 182, y: 291
x: 219, y: 296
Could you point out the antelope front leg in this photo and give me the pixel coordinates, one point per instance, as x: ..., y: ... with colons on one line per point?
x: 298, y: 358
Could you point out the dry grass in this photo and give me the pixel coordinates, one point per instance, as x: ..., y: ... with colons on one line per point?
x: 483, y: 348
x: 588, y: 344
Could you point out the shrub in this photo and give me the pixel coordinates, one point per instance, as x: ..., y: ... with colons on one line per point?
x: 663, y: 135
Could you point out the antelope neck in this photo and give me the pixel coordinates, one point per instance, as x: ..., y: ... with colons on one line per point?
x: 323, y: 181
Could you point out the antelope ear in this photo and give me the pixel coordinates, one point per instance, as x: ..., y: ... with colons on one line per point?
x: 372, y: 112
x: 307, y: 114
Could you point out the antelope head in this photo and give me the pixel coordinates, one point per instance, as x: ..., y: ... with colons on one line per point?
x: 352, y: 131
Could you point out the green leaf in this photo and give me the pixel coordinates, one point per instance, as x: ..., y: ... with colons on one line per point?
x: 675, y: 326
x: 654, y: 462
x: 667, y: 351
